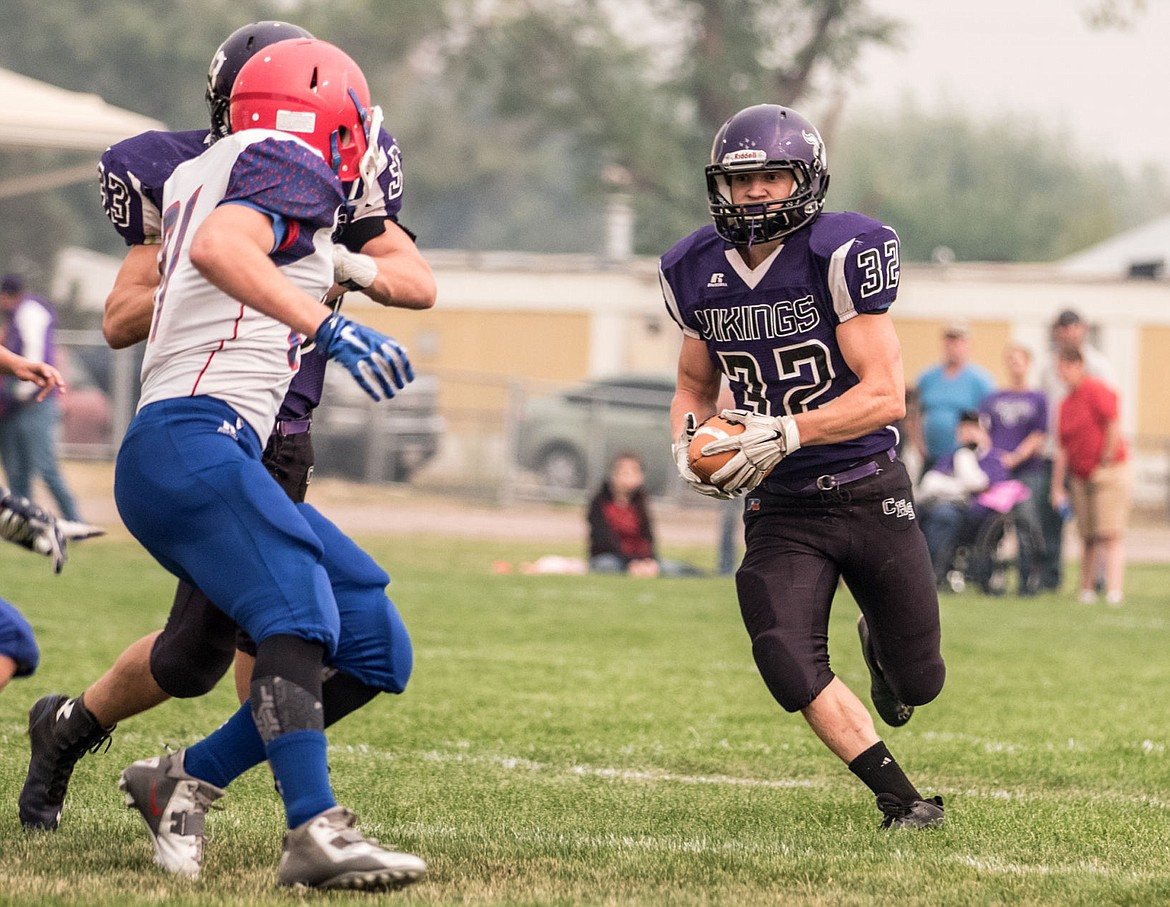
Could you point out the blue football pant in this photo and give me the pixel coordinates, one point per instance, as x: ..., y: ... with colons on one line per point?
x: 190, y: 486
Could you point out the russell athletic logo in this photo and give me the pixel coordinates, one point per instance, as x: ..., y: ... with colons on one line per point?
x: 899, y: 508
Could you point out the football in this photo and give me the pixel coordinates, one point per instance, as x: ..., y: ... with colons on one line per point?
x: 714, y: 429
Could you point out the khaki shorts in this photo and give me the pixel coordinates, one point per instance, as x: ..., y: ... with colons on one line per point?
x: 1101, y: 502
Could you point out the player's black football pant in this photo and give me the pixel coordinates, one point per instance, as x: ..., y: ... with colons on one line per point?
x: 799, y: 547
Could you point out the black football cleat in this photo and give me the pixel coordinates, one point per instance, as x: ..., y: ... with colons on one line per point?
x: 916, y: 814
x: 892, y: 710
x: 60, y: 731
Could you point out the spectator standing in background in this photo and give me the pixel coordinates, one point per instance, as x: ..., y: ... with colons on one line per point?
x: 1017, y: 424
x: 28, y: 429
x: 1093, y: 455
x: 947, y: 389
x: 1069, y: 331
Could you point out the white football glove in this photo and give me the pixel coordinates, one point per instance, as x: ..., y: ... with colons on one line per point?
x: 353, y: 270
x: 680, y: 448
x: 74, y: 530
x: 24, y: 523
x: 764, y: 442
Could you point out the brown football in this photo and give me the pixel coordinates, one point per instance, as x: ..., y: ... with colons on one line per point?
x: 714, y: 429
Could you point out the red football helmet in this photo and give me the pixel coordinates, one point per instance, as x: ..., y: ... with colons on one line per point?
x: 310, y: 89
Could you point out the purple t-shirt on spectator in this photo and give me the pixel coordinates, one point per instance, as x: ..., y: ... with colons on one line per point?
x: 1013, y: 415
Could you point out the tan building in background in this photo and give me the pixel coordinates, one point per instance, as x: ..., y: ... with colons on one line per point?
x: 509, y: 326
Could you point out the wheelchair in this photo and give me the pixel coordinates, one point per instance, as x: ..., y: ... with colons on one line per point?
x: 1003, y: 558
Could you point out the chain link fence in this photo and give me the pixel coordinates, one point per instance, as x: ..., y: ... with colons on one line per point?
x: 485, y: 437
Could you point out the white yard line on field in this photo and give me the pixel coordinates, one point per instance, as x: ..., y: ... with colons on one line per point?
x: 460, y: 753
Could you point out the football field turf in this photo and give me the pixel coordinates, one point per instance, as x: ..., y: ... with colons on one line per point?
x: 606, y: 740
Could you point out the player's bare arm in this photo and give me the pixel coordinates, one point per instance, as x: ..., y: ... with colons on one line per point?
x: 130, y: 305
x: 870, y: 346
x: 230, y: 250
x: 697, y: 388
x: 404, y: 279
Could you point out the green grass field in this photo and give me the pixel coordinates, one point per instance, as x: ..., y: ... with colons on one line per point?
x: 602, y: 740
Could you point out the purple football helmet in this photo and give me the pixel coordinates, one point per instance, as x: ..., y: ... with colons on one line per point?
x: 766, y: 137
x: 236, y: 50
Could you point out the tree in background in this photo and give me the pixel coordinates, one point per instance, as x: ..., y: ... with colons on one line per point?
x: 599, y: 96
x: 999, y: 191
x: 520, y: 118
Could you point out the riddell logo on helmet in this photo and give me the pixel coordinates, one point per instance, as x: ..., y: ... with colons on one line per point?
x: 744, y: 156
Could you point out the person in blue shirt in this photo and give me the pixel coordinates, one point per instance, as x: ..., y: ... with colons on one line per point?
x: 947, y: 389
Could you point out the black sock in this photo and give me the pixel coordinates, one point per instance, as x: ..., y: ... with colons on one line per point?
x: 882, y: 775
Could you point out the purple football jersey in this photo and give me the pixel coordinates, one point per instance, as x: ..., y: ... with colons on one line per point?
x: 132, y: 175
x: 772, y: 330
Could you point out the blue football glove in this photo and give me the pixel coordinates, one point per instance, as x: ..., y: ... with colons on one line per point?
x: 377, y: 362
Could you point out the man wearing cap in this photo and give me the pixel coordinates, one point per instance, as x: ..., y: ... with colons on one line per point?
x: 1069, y: 331
x: 947, y: 389
x: 28, y: 444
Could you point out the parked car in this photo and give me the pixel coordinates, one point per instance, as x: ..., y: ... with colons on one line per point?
x: 568, y: 439
x: 386, y: 441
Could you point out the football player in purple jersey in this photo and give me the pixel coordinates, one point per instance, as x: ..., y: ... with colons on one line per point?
x: 195, y: 648
x: 791, y: 305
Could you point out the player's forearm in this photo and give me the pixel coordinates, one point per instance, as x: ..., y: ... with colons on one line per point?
x: 404, y: 278
x: 697, y: 386
x: 860, y: 410
x: 127, y: 316
x: 401, y: 293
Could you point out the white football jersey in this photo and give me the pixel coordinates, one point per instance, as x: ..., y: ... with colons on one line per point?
x: 204, y: 343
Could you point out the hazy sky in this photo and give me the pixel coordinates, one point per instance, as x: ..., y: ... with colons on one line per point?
x: 1106, y: 89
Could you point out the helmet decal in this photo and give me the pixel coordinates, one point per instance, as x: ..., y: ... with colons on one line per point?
x: 236, y: 50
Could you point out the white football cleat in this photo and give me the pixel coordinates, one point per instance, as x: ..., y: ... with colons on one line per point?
x: 174, y: 807
x: 328, y: 851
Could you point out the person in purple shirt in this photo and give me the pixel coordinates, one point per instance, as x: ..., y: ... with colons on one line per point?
x: 791, y: 305
x: 1017, y: 424
x: 199, y: 642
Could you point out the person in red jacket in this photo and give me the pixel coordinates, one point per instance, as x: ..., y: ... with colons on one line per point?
x: 1092, y: 455
x: 621, y: 535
